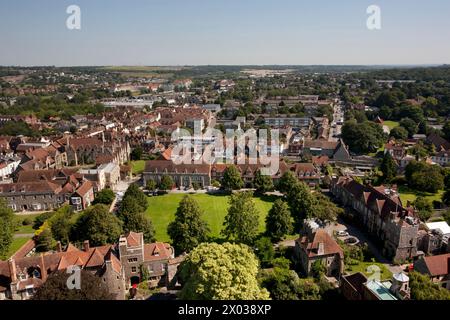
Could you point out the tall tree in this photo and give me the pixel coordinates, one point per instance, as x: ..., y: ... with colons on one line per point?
x: 221, y: 272
x: 188, y: 229
x: 166, y: 183
x: 287, y: 180
x: 232, y: 179
x: 136, y: 193
x: 105, y: 196
x: 6, y: 228
x: 262, y: 183
x: 242, y: 221
x: 97, y: 225
x: 388, y: 167
x: 278, y: 220
x: 60, y: 224
x: 301, y: 202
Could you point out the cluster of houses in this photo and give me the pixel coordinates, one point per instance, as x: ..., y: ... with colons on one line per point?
x: 119, y: 266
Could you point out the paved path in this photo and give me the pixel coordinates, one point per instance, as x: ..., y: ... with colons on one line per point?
x: 23, y: 235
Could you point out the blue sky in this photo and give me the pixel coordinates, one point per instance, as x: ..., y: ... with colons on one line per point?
x: 191, y: 32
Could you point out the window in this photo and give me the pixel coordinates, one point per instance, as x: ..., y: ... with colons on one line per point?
x: 132, y: 260
x: 133, y: 269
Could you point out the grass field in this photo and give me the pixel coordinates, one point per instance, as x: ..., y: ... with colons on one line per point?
x: 25, y: 229
x: 385, y: 274
x: 391, y: 124
x: 407, y: 194
x: 15, y: 245
x: 138, y: 166
x: 162, y: 210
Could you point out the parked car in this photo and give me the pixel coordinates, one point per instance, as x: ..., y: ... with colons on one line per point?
x: 342, y: 233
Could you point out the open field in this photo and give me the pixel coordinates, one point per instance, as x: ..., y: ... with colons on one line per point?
x: 407, y: 194
x: 162, y: 210
x: 25, y: 229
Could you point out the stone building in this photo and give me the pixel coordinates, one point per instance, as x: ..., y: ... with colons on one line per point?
x: 320, y: 246
x: 382, y: 214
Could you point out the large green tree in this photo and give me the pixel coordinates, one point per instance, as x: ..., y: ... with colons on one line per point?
x: 221, y: 272
x: 285, y: 284
x: 242, y: 220
x: 166, y: 183
x: 388, y: 167
x: 423, y: 289
x: 424, y: 177
x: 188, y: 229
x: 105, y: 196
x: 301, y: 202
x: 287, y: 180
x: 97, y: 225
x: 278, y: 220
x: 262, y: 183
x: 232, y: 179
x: 137, y: 194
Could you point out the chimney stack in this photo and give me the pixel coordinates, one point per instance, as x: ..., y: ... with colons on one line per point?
x: 59, y: 246
x: 12, y: 270
x: 320, y: 249
x: 43, y: 269
x: 86, y: 245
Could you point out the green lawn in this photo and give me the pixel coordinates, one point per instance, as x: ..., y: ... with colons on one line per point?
x: 391, y: 124
x: 407, y: 194
x: 25, y: 229
x: 138, y: 166
x: 16, y: 245
x: 162, y: 210
x: 385, y: 274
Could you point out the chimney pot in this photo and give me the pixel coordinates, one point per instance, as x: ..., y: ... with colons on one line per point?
x: 86, y: 245
x: 59, y: 246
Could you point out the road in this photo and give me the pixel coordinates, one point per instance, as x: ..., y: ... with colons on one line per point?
x: 361, y: 236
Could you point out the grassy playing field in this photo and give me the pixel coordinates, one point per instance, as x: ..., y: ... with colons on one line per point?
x: 16, y: 245
x: 162, y: 210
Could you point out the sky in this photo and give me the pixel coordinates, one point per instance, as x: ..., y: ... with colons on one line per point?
x: 232, y: 32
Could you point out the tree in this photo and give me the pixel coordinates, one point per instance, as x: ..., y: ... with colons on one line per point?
x: 279, y: 220
x: 226, y: 271
x: 136, y: 193
x: 264, y: 251
x: 399, y: 133
x: 287, y: 180
x: 424, y: 177
x: 6, y: 228
x: 446, y: 130
x: 232, y: 179
x: 133, y: 218
x: 105, y: 196
x: 362, y: 137
x: 97, y: 225
x: 388, y: 167
x: 188, y: 229
x: 285, y: 284
x: 410, y: 126
x: 423, y: 289
x: 150, y: 185
x: 55, y: 288
x: 136, y: 154
x: 60, y: 224
x: 324, y: 209
x: 242, y: 221
x: 425, y: 208
x: 446, y: 197
x: 166, y: 183
x: 262, y: 183
x: 318, y: 269
x: 447, y: 216
x: 44, y: 241
x: 301, y: 202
